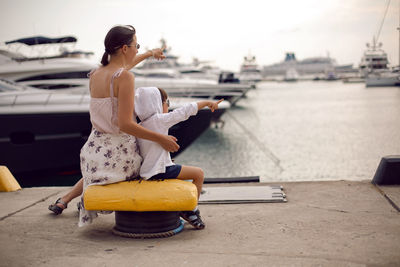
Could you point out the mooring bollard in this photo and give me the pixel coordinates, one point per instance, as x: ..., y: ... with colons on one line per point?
x: 388, y: 171
x: 144, y: 209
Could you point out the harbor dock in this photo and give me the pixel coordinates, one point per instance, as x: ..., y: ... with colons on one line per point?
x: 330, y: 223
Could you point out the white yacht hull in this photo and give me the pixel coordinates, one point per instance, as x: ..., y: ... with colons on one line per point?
x: 33, y: 70
x: 250, y: 78
x: 382, y: 80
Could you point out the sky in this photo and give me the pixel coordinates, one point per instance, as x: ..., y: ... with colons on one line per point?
x: 220, y: 31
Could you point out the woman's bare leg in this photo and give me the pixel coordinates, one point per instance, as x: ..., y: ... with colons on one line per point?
x: 193, y: 173
x: 76, y: 191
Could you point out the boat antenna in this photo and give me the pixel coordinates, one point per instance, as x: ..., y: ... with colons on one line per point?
x: 398, y: 28
x: 380, y: 27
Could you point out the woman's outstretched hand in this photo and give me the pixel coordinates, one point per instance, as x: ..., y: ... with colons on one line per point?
x: 158, y: 53
x: 168, y: 142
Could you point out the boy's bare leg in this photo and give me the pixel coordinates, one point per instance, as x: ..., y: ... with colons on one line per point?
x: 193, y: 173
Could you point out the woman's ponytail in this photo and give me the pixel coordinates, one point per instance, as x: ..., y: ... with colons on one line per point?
x: 104, y: 59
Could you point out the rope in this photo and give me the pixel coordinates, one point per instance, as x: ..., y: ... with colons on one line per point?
x: 150, y: 235
x: 384, y: 16
x: 265, y: 150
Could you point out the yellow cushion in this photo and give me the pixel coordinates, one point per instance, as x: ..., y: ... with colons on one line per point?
x: 7, y: 181
x: 167, y: 195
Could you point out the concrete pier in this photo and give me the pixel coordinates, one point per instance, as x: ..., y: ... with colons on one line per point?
x: 341, y: 223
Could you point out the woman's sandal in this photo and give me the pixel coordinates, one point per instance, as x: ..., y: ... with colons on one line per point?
x: 194, y: 218
x: 56, y: 209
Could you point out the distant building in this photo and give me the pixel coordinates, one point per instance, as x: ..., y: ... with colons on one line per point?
x: 306, y: 66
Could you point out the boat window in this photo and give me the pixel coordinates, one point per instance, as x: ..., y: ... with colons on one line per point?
x: 53, y: 76
x: 190, y: 71
x: 159, y: 75
x: 55, y: 86
x: 251, y: 70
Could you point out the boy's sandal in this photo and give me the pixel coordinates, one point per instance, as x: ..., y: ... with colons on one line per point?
x: 194, y: 218
x: 56, y: 209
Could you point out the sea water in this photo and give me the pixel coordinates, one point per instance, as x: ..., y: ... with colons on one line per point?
x: 302, y: 131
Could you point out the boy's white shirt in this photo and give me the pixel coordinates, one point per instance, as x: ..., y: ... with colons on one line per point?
x: 148, y: 107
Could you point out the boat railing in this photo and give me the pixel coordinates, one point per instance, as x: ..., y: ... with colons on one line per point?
x: 41, y: 97
x: 193, y: 84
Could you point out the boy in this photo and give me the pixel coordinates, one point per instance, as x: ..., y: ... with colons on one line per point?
x: 151, y: 106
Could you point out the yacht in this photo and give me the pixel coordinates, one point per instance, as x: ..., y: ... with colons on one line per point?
x: 374, y: 66
x: 186, y: 87
x: 374, y: 58
x: 66, y: 73
x: 249, y: 71
x: 46, y: 69
x: 41, y: 130
x: 198, y: 79
x: 199, y: 70
x: 45, y: 130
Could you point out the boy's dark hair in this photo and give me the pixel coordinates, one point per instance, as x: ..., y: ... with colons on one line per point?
x: 164, y: 95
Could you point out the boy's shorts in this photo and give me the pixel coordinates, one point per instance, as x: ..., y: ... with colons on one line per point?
x: 171, y: 172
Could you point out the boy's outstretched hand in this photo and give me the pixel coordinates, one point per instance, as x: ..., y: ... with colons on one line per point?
x: 214, y: 105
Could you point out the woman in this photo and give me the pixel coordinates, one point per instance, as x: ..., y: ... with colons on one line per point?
x: 110, y: 154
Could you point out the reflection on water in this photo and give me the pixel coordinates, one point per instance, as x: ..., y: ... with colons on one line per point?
x: 302, y: 131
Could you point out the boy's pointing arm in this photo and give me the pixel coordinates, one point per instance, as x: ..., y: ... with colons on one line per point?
x: 211, y: 104
x: 183, y: 113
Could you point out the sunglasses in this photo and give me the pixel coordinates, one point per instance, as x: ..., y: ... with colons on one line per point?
x: 167, y: 102
x: 137, y: 46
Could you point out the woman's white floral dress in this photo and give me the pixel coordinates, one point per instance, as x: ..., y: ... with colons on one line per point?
x: 108, y: 156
